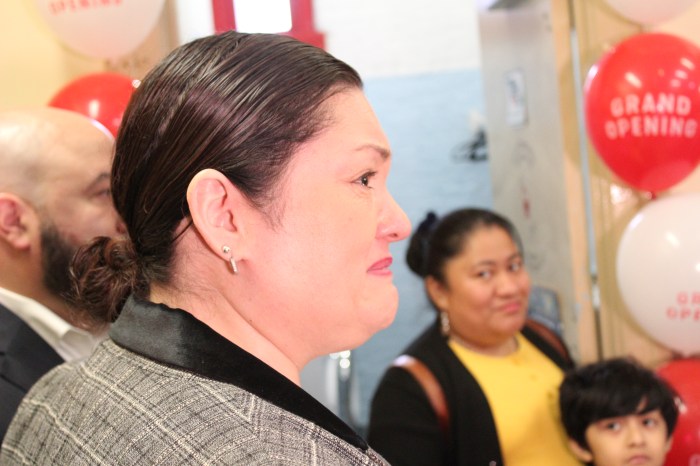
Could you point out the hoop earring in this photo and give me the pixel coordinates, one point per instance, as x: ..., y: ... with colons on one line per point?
x: 234, y: 267
x: 444, y: 324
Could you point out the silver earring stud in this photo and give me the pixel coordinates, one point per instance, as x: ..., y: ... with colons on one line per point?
x: 227, y: 250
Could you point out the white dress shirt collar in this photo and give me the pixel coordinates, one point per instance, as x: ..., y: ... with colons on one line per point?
x: 71, y: 343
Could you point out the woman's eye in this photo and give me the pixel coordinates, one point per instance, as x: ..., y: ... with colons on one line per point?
x: 485, y: 274
x: 365, y: 179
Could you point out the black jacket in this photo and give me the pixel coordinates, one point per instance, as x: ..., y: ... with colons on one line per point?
x: 403, y: 426
x: 24, y: 358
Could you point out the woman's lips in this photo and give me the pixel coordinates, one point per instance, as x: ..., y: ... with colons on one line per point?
x: 381, y: 266
x: 511, y: 307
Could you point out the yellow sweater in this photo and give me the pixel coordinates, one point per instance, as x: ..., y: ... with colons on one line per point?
x: 522, y: 391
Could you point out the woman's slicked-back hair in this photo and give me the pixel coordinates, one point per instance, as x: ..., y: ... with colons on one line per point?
x: 436, y: 241
x: 237, y: 103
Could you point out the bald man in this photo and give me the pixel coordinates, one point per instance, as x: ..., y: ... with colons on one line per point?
x: 54, y: 197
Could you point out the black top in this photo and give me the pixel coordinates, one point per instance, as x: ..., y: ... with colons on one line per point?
x: 404, y: 427
x: 189, y: 344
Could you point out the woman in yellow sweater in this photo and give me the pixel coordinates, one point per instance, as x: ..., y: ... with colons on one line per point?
x: 495, y: 377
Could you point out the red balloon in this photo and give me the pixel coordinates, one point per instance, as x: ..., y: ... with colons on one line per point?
x: 100, y: 96
x: 684, y: 376
x: 642, y: 108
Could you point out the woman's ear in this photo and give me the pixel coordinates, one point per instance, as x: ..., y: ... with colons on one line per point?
x: 217, y: 207
x: 15, y: 223
x: 580, y: 452
x: 437, y: 292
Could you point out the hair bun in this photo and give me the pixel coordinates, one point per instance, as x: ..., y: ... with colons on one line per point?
x: 420, y: 243
x: 428, y: 222
x: 104, y: 273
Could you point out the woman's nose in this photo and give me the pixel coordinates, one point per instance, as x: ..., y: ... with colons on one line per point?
x: 394, y: 224
x: 508, y: 282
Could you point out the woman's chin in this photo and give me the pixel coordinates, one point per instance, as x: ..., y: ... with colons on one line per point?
x: 515, y: 323
x: 381, y: 313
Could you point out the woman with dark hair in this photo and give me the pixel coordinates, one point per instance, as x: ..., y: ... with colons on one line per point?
x: 479, y: 386
x: 250, y: 172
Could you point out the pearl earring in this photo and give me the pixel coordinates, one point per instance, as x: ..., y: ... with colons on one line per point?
x: 444, y: 323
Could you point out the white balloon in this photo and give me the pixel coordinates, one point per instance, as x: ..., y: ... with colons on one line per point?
x: 650, y: 11
x: 658, y: 270
x: 101, y: 28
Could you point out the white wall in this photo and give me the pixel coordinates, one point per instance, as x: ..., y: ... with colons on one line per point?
x: 380, y: 38
x: 400, y: 37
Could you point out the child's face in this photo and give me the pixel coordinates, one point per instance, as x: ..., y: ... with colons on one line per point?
x: 636, y: 439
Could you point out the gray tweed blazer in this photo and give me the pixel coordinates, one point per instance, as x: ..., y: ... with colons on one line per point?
x: 166, y: 390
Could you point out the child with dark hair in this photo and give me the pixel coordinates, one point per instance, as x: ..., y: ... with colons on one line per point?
x: 618, y: 412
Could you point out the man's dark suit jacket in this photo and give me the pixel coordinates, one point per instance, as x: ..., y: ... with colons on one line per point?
x: 24, y: 358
